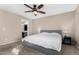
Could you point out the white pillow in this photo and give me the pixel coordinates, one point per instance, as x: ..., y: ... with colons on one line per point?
x: 53, y: 34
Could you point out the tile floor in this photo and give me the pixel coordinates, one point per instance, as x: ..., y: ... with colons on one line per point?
x: 19, y: 49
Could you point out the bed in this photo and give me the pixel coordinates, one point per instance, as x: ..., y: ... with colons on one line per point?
x: 48, y: 42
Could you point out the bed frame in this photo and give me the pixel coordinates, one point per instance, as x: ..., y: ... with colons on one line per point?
x: 45, y: 51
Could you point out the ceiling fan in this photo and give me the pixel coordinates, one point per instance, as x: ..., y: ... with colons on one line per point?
x: 35, y: 9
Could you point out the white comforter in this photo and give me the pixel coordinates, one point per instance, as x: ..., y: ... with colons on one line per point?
x: 47, y: 40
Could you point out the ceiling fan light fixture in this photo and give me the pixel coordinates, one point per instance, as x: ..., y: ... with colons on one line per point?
x: 35, y: 9
x: 35, y: 13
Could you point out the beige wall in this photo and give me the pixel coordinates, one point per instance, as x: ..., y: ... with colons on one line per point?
x: 64, y: 22
x: 10, y: 27
x: 77, y: 25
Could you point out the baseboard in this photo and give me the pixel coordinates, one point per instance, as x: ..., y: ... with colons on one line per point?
x: 9, y: 44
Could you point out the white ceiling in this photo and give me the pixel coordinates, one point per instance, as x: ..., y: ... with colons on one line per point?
x: 50, y: 9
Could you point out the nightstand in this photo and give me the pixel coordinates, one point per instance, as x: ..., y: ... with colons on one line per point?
x: 67, y: 40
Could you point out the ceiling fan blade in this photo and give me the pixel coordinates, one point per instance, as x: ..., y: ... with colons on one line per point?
x: 41, y: 12
x: 40, y: 6
x: 28, y: 6
x: 28, y: 11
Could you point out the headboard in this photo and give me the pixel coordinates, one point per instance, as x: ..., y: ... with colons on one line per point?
x: 50, y: 31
